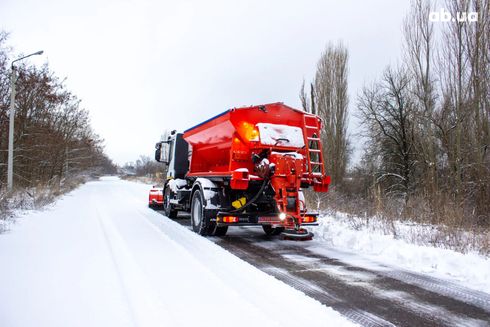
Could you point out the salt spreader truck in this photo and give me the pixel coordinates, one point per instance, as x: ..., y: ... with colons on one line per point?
x: 245, y: 166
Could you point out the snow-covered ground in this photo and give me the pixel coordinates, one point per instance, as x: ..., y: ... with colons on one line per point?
x: 100, y: 257
x: 375, y: 248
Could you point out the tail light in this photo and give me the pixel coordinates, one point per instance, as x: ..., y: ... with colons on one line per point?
x: 309, y: 219
x: 229, y: 219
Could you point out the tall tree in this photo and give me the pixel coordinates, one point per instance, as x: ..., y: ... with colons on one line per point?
x: 303, y: 96
x: 419, y: 51
x: 463, y: 117
x: 330, y: 100
x: 387, y: 114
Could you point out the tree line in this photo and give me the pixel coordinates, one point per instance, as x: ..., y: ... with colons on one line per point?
x: 426, y: 121
x: 53, y: 139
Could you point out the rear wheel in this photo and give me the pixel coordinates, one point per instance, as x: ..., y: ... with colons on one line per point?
x: 269, y: 230
x: 200, y: 216
x: 167, y: 206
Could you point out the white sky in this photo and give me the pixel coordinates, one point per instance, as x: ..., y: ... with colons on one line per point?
x: 144, y: 66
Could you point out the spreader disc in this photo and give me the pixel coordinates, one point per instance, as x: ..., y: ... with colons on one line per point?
x: 297, y: 235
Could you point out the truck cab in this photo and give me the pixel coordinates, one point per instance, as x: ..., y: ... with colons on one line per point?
x: 174, y: 152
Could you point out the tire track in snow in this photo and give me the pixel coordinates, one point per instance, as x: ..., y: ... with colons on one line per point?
x: 360, y: 289
x: 351, y: 301
x: 202, y: 258
x: 476, y: 298
x: 362, y: 317
x: 451, y: 304
x: 388, y: 276
x: 306, y: 286
x: 117, y: 269
x: 393, y: 297
x: 144, y: 306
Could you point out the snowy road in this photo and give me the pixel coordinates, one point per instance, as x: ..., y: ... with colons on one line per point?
x: 367, y: 292
x: 100, y: 257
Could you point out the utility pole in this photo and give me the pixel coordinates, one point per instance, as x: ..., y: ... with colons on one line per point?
x: 10, y: 167
x: 10, y: 163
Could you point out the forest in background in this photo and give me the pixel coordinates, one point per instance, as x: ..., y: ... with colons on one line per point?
x: 425, y: 122
x: 55, y: 147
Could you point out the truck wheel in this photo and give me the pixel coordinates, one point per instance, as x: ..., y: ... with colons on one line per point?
x: 167, y: 206
x: 270, y: 231
x: 200, y: 216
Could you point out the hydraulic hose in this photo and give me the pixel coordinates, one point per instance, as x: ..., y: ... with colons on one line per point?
x: 252, y: 200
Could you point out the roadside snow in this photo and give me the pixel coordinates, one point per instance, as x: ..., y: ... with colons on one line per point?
x: 470, y: 269
x: 100, y: 257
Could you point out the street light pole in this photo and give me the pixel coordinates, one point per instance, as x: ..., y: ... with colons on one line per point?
x: 10, y: 167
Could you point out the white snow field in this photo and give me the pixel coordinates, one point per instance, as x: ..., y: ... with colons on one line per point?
x: 100, y: 257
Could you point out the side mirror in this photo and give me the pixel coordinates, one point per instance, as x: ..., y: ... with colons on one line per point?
x: 158, y: 154
x: 161, y: 152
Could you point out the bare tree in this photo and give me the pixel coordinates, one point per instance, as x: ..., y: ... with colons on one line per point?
x: 427, y: 121
x: 463, y: 117
x: 419, y: 56
x: 387, y: 113
x: 53, y: 138
x: 477, y: 45
x: 303, y: 96
x: 307, y: 100
x: 329, y: 99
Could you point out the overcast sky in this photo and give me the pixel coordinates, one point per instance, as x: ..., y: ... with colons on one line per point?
x: 141, y: 67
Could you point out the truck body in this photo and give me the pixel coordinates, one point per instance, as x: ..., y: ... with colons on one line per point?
x: 245, y: 166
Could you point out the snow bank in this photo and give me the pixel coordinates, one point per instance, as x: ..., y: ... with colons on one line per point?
x: 471, y: 269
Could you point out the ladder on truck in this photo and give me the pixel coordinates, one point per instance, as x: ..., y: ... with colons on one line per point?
x: 314, y: 151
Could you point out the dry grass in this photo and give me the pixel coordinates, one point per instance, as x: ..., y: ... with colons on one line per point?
x: 153, y: 180
x: 35, y: 197
x: 438, y: 222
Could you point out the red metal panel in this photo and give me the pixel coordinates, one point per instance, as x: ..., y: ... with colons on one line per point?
x: 210, y: 144
x: 223, y: 147
x: 222, y: 144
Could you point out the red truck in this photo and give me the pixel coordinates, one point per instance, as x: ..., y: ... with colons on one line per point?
x: 245, y: 166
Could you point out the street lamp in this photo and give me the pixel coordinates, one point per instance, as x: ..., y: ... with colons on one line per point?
x: 10, y: 168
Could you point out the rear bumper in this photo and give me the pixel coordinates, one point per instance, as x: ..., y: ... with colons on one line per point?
x: 248, y: 220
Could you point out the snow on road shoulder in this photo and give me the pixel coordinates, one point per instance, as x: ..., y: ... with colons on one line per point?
x: 471, y: 269
x: 100, y: 257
